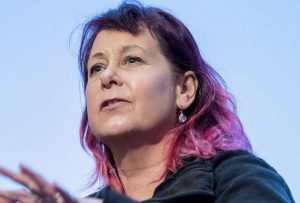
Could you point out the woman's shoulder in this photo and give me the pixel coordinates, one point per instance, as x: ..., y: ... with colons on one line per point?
x: 227, y: 162
x: 237, y: 159
x: 241, y: 176
x: 242, y: 164
x: 230, y: 176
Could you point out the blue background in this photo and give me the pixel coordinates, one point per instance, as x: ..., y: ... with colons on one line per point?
x: 254, y: 45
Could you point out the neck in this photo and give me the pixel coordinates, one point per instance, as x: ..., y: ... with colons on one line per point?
x: 141, y: 167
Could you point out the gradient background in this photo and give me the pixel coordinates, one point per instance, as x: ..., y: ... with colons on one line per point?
x: 254, y: 45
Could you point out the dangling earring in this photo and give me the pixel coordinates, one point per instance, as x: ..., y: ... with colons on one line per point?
x: 181, y: 117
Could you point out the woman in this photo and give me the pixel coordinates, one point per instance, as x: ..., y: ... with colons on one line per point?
x: 158, y: 120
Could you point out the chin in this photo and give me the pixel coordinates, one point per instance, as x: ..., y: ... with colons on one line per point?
x: 112, y: 133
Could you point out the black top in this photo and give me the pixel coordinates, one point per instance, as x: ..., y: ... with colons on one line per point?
x: 229, y: 177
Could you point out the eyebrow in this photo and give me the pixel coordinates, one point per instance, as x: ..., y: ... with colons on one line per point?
x: 129, y: 47
x: 124, y: 49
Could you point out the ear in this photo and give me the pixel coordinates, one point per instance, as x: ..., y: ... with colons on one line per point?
x: 186, y: 90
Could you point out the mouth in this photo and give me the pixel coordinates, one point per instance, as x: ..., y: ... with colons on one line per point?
x: 111, y: 103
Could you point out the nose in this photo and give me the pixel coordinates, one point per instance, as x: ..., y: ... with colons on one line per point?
x: 110, y: 77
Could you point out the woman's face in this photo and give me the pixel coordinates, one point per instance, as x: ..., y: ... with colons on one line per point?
x: 131, y: 86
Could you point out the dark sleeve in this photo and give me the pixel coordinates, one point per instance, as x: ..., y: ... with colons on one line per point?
x: 242, y: 177
x: 108, y: 195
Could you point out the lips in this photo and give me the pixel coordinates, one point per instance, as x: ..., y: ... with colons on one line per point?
x: 112, y: 102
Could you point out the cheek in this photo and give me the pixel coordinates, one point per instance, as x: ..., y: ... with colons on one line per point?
x: 157, y: 93
x: 91, y: 97
x: 88, y: 96
x: 163, y: 88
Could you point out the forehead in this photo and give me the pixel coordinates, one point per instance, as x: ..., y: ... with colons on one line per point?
x: 116, y: 41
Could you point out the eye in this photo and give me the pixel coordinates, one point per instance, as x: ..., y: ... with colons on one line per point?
x: 132, y: 60
x: 96, y: 68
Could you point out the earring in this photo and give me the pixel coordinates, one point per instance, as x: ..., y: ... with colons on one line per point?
x: 181, y: 117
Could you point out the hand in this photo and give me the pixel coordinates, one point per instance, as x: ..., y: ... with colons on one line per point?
x: 37, y: 189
